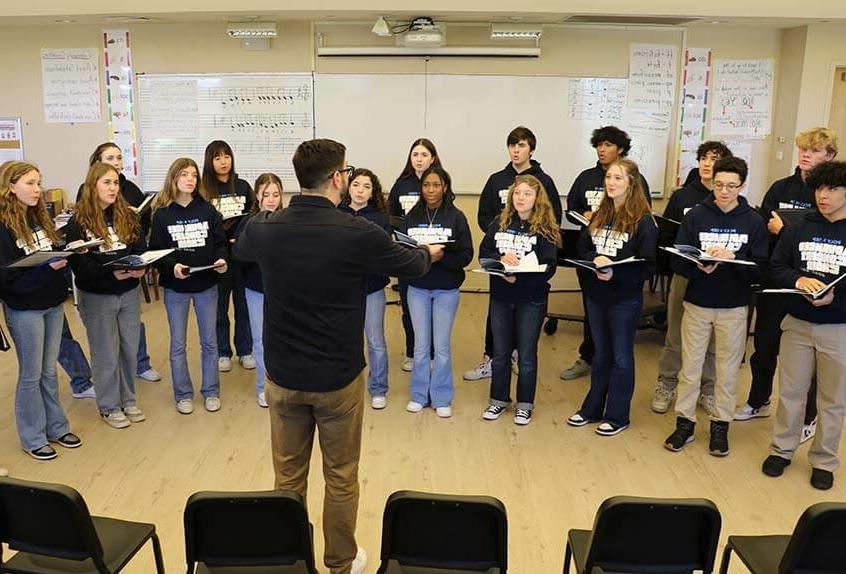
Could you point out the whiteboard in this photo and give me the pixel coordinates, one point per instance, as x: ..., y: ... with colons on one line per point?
x: 468, y: 117
x: 263, y: 117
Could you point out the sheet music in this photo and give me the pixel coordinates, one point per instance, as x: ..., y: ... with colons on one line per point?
x: 597, y: 99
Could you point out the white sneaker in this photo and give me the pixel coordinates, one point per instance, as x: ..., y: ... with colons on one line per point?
x: 359, y: 562
x: 709, y: 403
x: 663, y: 398
x: 746, y: 412
x: 248, y: 362
x: 515, y: 364
x: 577, y: 370
x: 444, y: 412
x: 413, y: 407
x: 151, y: 375
x: 379, y: 403
x: 480, y: 371
x: 407, y: 364
x: 212, y: 404
x: 134, y: 414
x: 116, y: 420
x: 224, y: 364
x: 808, y: 431
x: 185, y: 406
x: 88, y: 393
x: 262, y: 400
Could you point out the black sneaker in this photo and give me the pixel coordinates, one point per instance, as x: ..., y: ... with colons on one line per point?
x: 46, y: 452
x: 522, y: 417
x: 822, y: 479
x: 719, y: 443
x: 774, y: 465
x: 493, y: 412
x: 681, y: 436
x: 68, y: 440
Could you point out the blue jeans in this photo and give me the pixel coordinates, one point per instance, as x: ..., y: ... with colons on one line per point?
x: 73, y: 360
x: 522, y: 321
x: 232, y: 284
x: 205, y: 308
x: 37, y: 335
x: 432, y: 315
x: 612, y: 377
x: 377, y: 348
x: 255, y: 304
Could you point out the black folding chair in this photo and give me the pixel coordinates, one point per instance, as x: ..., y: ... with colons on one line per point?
x: 815, y: 547
x: 50, y: 527
x: 443, y: 534
x: 647, y: 535
x: 238, y: 532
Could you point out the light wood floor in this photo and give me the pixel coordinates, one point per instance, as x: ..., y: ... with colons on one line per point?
x: 551, y: 477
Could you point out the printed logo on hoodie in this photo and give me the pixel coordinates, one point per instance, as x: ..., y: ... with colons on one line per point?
x: 230, y: 205
x: 189, y: 234
x: 428, y: 234
x: 608, y: 242
x: 725, y: 238
x: 511, y: 241
x: 594, y: 196
x: 795, y: 204
x: 40, y: 242
x: 823, y: 255
x: 408, y: 201
x: 503, y: 195
x: 117, y: 244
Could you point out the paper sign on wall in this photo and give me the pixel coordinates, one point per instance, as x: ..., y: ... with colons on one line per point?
x: 597, y: 99
x: 119, y: 97
x: 694, y: 105
x: 743, y: 93
x: 11, y: 140
x: 652, y: 77
x: 71, y: 84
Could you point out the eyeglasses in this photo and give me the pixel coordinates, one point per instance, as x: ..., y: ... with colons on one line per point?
x: 348, y: 170
x: 718, y: 185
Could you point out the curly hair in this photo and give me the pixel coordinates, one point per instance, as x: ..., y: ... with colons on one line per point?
x: 542, y: 220
x: 377, y: 198
x: 92, y: 218
x: 829, y: 174
x: 632, y: 211
x: 20, y: 218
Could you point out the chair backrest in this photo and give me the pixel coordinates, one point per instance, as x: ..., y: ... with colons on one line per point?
x: 818, y: 543
x: 445, y: 531
x: 644, y: 535
x: 47, y: 519
x: 267, y: 528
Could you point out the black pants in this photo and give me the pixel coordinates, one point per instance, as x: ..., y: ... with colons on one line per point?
x: 586, y: 346
x: 769, y: 312
x: 489, y: 338
x: 231, y: 284
x: 517, y: 325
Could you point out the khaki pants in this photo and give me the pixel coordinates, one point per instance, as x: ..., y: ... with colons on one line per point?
x: 729, y: 327
x: 670, y: 361
x: 337, y: 416
x: 804, y: 347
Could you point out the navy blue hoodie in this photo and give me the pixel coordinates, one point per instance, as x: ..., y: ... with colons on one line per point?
x: 196, y: 232
x: 448, y: 222
x: 627, y: 280
x: 29, y: 287
x: 233, y: 204
x: 495, y: 193
x: 88, y: 270
x: 685, y: 198
x: 518, y: 239
x: 378, y: 217
x: 404, y: 195
x: 742, y: 231
x: 589, y: 188
x: 788, y: 193
x: 814, y: 248
x: 250, y: 272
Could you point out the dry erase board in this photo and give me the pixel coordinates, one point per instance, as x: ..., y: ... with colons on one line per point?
x: 468, y: 117
x: 262, y: 116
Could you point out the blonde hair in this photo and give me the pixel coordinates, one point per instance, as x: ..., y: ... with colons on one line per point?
x: 92, y: 218
x: 633, y: 209
x: 818, y: 138
x: 542, y: 219
x: 20, y: 218
x: 169, y: 191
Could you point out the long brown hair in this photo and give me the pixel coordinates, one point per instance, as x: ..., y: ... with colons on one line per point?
x: 98, y: 152
x: 92, y: 218
x: 263, y: 181
x: 633, y: 210
x: 408, y: 170
x: 377, y: 198
x: 20, y: 218
x: 169, y: 191
x: 542, y: 220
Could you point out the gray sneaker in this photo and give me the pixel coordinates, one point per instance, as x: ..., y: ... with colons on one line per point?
x: 577, y: 370
x: 709, y: 403
x: 116, y: 420
x: 663, y: 398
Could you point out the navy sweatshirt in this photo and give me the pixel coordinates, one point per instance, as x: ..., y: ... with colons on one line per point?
x: 814, y: 248
x: 377, y: 217
x: 233, y: 204
x: 448, y: 222
x: 788, y: 193
x: 495, y: 193
x: 88, y: 270
x: 589, y: 188
x: 741, y: 231
x: 250, y: 272
x: 29, y: 287
x: 404, y: 195
x: 627, y: 280
x: 196, y: 232
x: 517, y: 238
x: 685, y: 198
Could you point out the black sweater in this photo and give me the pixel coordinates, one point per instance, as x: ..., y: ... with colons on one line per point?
x: 517, y: 239
x: 88, y: 270
x: 404, y: 195
x: 314, y: 301
x: 741, y: 231
x: 377, y: 217
x: 627, y: 280
x: 495, y: 193
x: 814, y: 248
x: 29, y: 287
x: 685, y: 198
x: 233, y: 204
x: 448, y: 222
x: 788, y: 193
x: 196, y: 232
x: 250, y: 272
x: 589, y: 188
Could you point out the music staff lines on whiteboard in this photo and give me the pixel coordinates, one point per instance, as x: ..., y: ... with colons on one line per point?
x: 258, y: 95
x: 190, y: 147
x: 266, y: 122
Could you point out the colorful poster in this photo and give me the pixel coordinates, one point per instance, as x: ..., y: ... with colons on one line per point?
x: 694, y: 108
x: 119, y: 97
x: 743, y: 95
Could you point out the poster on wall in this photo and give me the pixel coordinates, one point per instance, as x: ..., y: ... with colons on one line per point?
x: 119, y: 97
x: 71, y: 84
x: 11, y: 140
x: 694, y: 107
x: 743, y: 96
x: 652, y: 77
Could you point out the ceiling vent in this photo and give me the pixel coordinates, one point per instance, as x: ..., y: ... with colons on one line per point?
x: 628, y: 20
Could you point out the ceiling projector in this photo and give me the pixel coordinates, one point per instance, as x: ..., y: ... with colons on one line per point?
x: 424, y: 33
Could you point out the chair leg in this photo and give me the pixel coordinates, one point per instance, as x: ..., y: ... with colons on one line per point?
x: 157, y: 554
x: 567, y: 559
x: 724, y: 565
